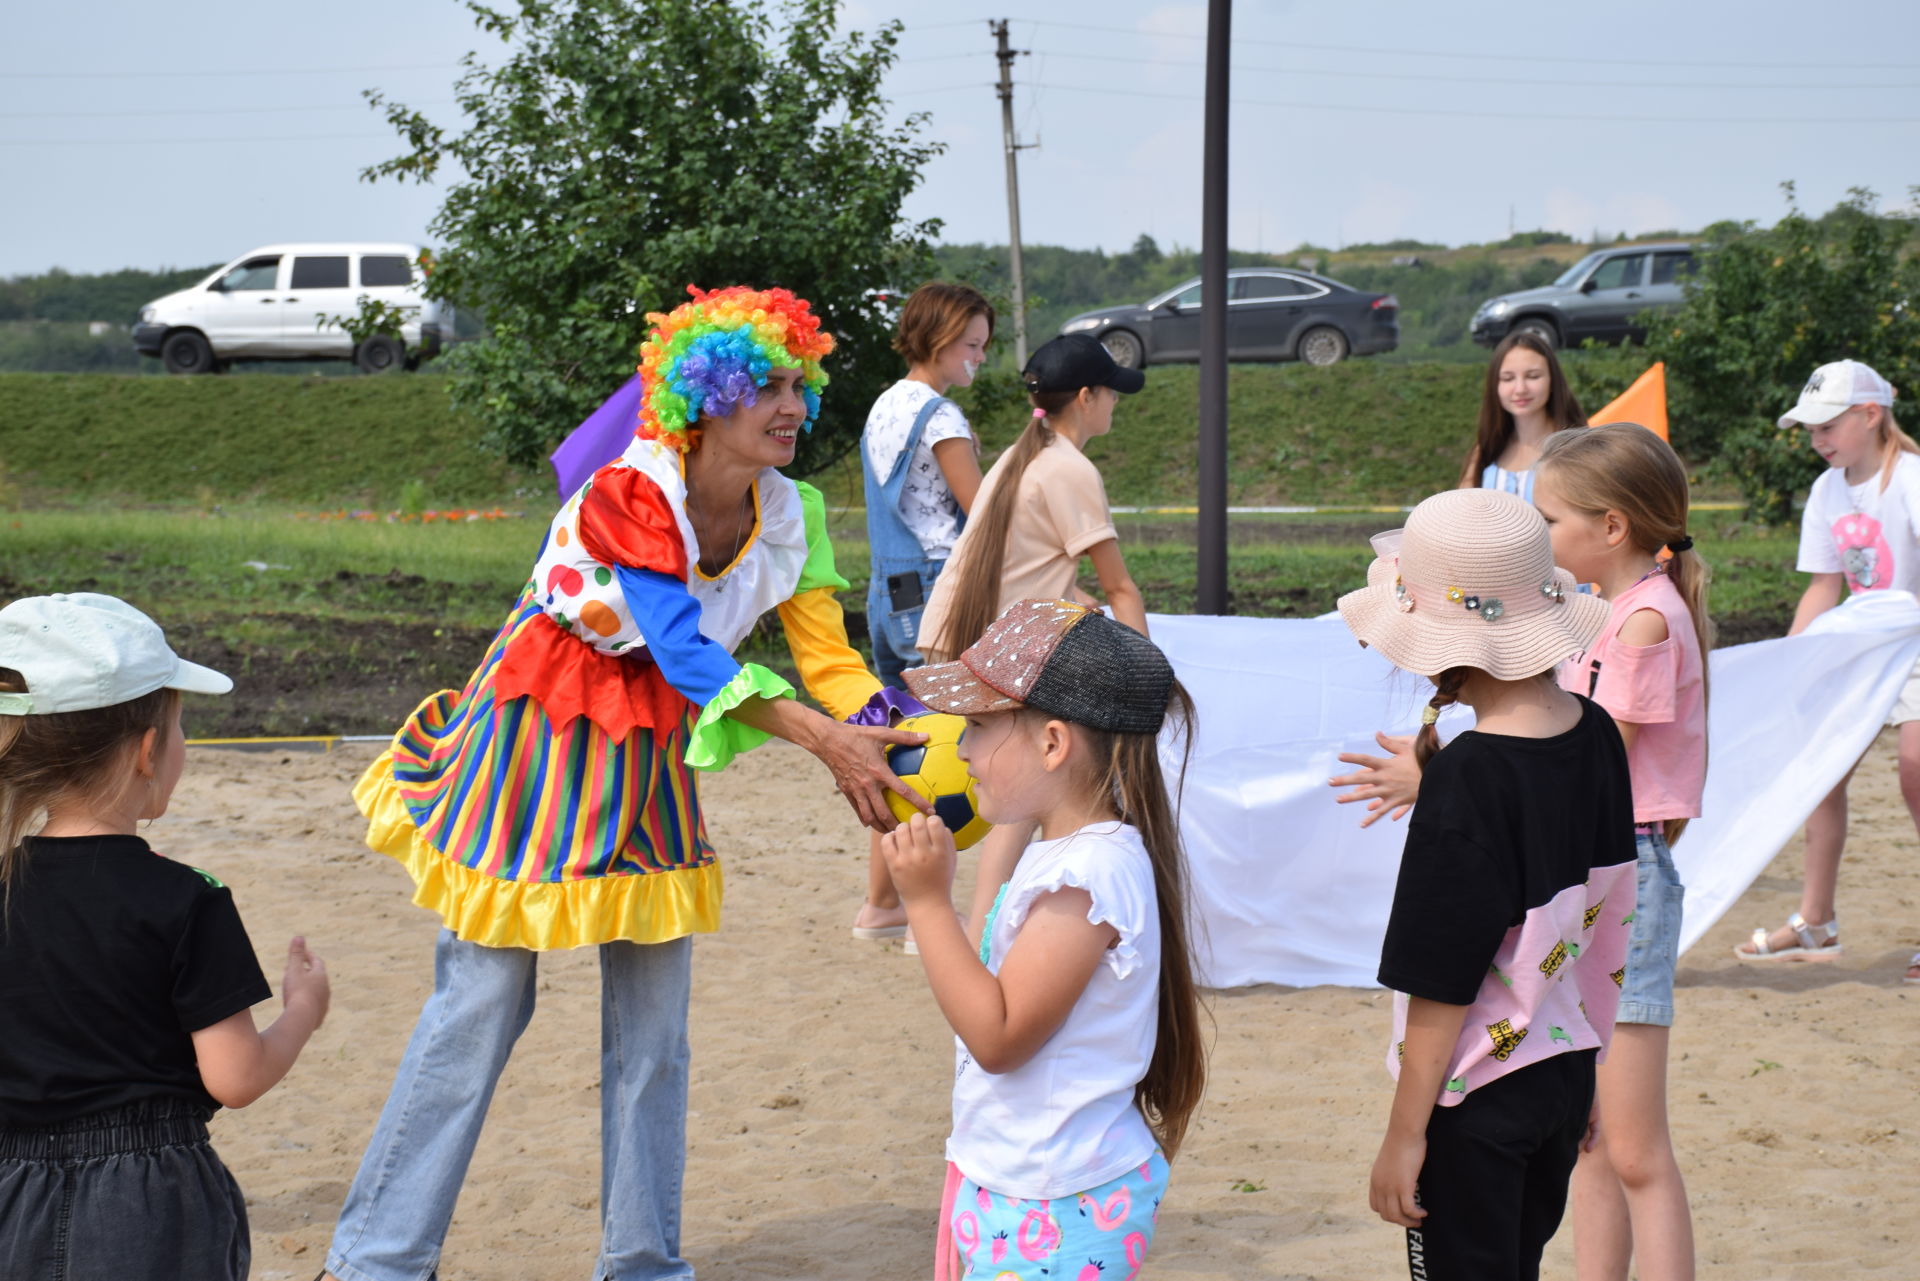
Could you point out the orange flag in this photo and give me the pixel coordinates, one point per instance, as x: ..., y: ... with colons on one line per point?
x: 1645, y: 403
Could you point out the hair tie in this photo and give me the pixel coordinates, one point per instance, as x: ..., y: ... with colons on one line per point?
x: 1039, y: 413
x: 1430, y: 715
x: 1682, y: 544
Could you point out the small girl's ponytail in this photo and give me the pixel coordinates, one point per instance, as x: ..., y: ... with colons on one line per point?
x: 1446, y: 691
x: 1624, y: 467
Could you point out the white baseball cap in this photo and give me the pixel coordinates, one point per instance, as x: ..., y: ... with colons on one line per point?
x: 1833, y: 390
x: 82, y: 650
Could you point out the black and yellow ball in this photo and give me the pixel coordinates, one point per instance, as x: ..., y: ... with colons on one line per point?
x: 934, y: 769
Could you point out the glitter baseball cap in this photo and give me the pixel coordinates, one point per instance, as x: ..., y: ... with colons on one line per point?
x: 1835, y: 388
x: 1059, y: 658
x: 83, y: 650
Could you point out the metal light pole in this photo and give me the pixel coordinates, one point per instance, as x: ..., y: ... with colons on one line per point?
x: 1006, y: 56
x: 1211, y: 580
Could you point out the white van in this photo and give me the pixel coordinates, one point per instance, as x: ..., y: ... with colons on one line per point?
x: 269, y: 304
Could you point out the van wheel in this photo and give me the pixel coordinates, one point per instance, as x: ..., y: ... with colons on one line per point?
x: 380, y: 354
x: 1323, y: 345
x: 187, y: 353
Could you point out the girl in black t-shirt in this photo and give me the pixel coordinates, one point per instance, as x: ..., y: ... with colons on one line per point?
x: 126, y: 980
x: 1507, y: 941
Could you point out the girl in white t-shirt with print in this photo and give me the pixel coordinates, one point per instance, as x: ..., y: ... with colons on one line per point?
x: 1079, y: 1057
x: 1860, y: 533
x: 921, y: 468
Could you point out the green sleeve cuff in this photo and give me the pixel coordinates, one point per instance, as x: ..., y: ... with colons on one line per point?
x: 819, y: 571
x: 717, y: 738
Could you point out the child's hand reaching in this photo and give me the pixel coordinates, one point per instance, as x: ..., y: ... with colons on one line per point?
x: 305, y: 984
x: 920, y: 856
x: 1389, y: 784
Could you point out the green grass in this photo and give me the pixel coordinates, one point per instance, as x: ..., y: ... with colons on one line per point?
x: 339, y: 442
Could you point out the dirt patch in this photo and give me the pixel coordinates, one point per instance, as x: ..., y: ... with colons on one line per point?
x: 342, y: 676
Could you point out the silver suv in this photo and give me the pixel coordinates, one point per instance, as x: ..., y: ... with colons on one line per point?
x: 1599, y: 297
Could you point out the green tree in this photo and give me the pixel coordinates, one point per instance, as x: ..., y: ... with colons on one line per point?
x: 1765, y: 309
x: 624, y: 149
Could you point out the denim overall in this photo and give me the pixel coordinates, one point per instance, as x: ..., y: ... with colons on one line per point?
x: 896, y: 551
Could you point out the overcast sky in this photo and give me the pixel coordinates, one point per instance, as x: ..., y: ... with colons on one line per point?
x: 135, y: 134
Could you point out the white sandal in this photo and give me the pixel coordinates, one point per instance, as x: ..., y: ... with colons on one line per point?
x: 1914, y: 964
x: 1813, y: 942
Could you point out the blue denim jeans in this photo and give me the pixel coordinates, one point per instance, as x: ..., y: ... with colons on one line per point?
x: 401, y: 1201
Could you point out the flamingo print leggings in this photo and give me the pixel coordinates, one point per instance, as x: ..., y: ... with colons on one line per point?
x: 1101, y: 1234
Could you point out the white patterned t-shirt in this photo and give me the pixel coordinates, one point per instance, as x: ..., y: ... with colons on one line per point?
x: 927, y: 506
x: 1862, y: 533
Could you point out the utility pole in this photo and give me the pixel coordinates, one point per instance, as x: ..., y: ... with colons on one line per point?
x: 1211, y: 580
x: 1006, y: 56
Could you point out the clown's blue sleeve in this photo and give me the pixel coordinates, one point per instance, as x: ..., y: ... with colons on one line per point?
x: 703, y: 672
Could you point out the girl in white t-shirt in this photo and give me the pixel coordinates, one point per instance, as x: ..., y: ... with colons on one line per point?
x: 921, y: 468
x: 1860, y: 533
x: 1079, y: 1059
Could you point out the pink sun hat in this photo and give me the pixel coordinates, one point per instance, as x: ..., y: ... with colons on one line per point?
x: 1470, y: 582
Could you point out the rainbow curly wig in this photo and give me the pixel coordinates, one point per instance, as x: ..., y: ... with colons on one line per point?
x: 713, y: 354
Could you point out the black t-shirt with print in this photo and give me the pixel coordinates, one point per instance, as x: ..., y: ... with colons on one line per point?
x: 1503, y: 825
x: 110, y: 959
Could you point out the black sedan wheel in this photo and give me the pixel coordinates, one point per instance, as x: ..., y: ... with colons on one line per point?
x: 1323, y: 345
x: 187, y: 353
x: 1125, y: 348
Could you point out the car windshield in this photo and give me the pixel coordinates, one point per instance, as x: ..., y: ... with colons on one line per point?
x: 1576, y: 271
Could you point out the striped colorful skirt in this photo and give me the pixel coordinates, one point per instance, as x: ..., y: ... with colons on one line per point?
x: 521, y: 833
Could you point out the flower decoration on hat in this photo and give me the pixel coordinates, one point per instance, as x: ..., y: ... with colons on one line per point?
x: 1402, y: 599
x: 1471, y: 601
x: 1455, y: 595
x: 712, y: 355
x: 1491, y: 610
x: 1554, y: 591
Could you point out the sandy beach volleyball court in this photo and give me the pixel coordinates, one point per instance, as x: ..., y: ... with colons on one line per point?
x: 821, y: 1066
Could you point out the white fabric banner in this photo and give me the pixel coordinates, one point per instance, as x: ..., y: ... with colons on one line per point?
x: 1288, y: 888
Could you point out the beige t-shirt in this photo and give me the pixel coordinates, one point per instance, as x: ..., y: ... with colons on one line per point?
x: 1060, y: 512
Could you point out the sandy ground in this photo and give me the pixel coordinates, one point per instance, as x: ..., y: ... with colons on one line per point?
x: 820, y: 1066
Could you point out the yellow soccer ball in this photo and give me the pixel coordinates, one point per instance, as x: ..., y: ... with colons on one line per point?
x: 934, y: 769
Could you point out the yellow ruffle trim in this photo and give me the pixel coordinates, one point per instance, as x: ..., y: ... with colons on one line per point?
x: 542, y: 916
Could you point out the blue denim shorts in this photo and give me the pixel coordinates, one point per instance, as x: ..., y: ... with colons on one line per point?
x: 1653, y: 948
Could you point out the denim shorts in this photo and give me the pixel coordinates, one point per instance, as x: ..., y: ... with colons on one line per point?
x: 1653, y: 948
x: 136, y: 1194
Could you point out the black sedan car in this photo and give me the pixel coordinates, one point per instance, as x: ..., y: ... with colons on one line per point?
x: 1272, y: 314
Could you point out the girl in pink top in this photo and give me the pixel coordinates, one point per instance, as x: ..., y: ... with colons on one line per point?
x: 1614, y: 498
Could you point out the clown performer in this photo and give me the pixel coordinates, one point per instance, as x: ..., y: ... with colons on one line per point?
x: 552, y: 803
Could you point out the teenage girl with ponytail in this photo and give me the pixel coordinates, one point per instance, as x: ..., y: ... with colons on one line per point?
x: 1040, y: 510
x: 1079, y: 1057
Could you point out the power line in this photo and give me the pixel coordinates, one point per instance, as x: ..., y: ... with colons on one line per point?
x: 195, y: 111
x: 168, y: 142
x: 1771, y: 87
x: 201, y: 75
x: 1504, y: 115
x: 1509, y: 56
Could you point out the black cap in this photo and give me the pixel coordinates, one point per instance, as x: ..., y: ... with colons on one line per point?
x: 1073, y: 361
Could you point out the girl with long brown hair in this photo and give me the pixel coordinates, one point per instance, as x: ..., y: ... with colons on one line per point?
x: 1077, y: 1017
x: 1525, y: 400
